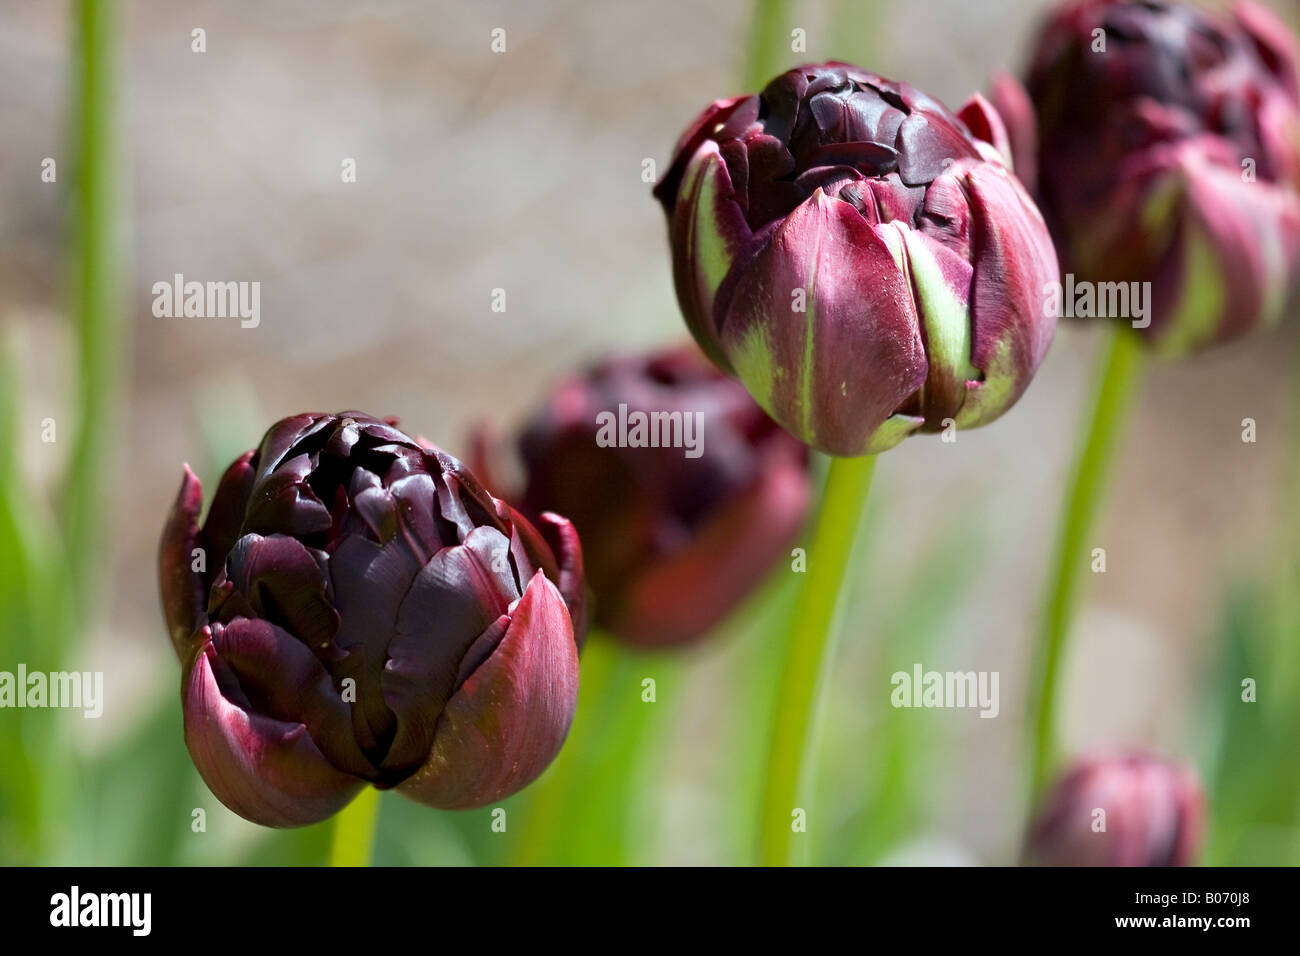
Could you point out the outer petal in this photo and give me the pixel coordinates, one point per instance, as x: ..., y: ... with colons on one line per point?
x: 452, y: 601
x: 708, y: 233
x: 1014, y: 261
x: 226, y: 514
x: 1013, y: 105
x: 183, y: 597
x: 985, y: 123
x: 508, y: 719
x: 833, y: 373
x: 941, y: 283
x: 268, y: 771
x: 562, y: 536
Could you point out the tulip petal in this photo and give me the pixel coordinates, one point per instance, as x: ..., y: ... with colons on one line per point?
x: 833, y: 373
x: 708, y: 234
x: 1014, y: 262
x: 285, y: 503
x: 225, y: 520
x: 268, y: 771
x: 984, y: 122
x: 287, y: 683
x: 1011, y: 102
x: 454, y: 599
x: 941, y: 281
x: 509, y: 718
x: 284, y: 582
x: 563, y: 539
x: 183, y: 597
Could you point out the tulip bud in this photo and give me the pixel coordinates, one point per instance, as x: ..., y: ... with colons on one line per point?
x: 859, y: 257
x: 675, y: 533
x: 1170, y: 155
x: 1120, y: 811
x: 366, y: 613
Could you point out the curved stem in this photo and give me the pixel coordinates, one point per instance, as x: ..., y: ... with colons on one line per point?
x: 1119, y: 372
x: 807, y: 656
x: 353, y: 839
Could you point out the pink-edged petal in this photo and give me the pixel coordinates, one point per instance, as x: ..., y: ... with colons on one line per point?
x: 562, y: 536
x: 509, y: 718
x: 268, y: 771
x: 1014, y: 263
x: 708, y: 234
x: 833, y: 373
x: 1012, y: 103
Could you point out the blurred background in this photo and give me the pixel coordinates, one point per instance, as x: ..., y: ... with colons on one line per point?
x: 522, y: 171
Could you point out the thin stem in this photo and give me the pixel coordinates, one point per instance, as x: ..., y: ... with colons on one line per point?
x: 353, y: 839
x: 614, y: 734
x: 807, y: 656
x: 1120, y: 366
x: 768, y: 39
x: 94, y: 271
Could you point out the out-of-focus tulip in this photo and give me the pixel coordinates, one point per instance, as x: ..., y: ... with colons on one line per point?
x: 1130, y: 810
x: 859, y: 257
x: 1169, y: 146
x: 358, y: 609
x: 675, y: 535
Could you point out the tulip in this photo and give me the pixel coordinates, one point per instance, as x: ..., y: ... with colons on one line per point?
x: 1170, y: 154
x: 675, y: 533
x: 357, y: 609
x: 1131, y: 810
x: 861, y: 258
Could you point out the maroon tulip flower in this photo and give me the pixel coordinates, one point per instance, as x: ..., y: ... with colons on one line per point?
x: 358, y: 610
x: 859, y: 257
x: 1169, y: 154
x: 1120, y: 811
x: 675, y: 535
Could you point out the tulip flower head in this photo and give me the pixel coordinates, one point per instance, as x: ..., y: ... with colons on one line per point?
x: 860, y: 257
x: 1129, y: 810
x: 674, y: 537
x: 357, y: 609
x: 1169, y: 154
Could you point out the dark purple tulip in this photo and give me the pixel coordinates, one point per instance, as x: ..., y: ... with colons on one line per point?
x: 368, y: 614
x: 859, y: 257
x: 672, y: 542
x: 1153, y: 815
x: 1170, y: 154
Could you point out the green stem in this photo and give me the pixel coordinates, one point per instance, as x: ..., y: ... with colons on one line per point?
x: 807, y: 656
x: 768, y: 42
x: 95, y: 278
x: 353, y: 839
x: 1121, y: 364
x: 614, y: 734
